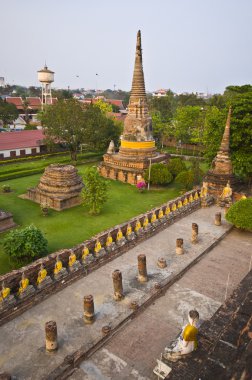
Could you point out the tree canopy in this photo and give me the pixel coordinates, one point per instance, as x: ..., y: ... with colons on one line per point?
x: 73, y: 123
x: 8, y: 112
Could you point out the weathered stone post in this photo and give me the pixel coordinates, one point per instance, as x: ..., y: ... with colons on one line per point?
x: 195, y: 232
x: 142, y: 270
x: 217, y: 220
x: 161, y: 263
x: 89, y: 315
x: 118, y: 288
x: 51, y: 336
x: 179, y: 246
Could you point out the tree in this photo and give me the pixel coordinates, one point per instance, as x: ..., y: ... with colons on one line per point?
x: 189, y: 122
x: 26, y: 244
x: 73, y: 123
x: 185, y: 179
x: 8, y: 112
x: 240, y: 214
x: 95, y: 191
x: 159, y: 174
x: 175, y: 166
x: 103, y: 106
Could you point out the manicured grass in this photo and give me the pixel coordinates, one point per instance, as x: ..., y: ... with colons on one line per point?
x: 69, y: 227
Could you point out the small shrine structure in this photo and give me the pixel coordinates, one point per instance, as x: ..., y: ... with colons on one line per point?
x: 221, y: 171
x: 137, y: 150
x: 59, y: 187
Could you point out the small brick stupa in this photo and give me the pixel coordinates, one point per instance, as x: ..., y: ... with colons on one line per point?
x: 222, y: 169
x: 137, y: 144
x: 59, y: 187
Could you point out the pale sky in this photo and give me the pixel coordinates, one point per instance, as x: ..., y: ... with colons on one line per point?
x: 188, y: 45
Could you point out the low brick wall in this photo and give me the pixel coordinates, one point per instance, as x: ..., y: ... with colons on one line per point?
x: 184, y: 205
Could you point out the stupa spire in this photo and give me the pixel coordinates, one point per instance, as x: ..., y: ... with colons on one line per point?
x: 222, y: 162
x: 138, y: 86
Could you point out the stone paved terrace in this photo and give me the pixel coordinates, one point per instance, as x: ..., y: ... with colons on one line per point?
x: 22, y: 351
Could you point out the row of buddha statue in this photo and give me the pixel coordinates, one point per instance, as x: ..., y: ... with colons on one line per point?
x: 59, y: 272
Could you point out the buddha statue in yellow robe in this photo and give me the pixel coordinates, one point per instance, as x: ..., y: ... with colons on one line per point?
x: 187, y: 342
x: 72, y: 259
x: 58, y: 266
x: 109, y: 240
x: 23, y: 284
x: 191, y: 198
x: 196, y: 196
x: 227, y: 192
x: 129, y: 230
x: 174, y: 207
x: 138, y: 225
x: 167, y: 210
x: 204, y: 190
x: 146, y: 221
x: 85, y: 253
x: 180, y: 204
x: 98, y: 246
x: 41, y: 274
x: 5, y: 292
x: 185, y: 202
x: 153, y: 217
x: 119, y: 235
x: 160, y: 214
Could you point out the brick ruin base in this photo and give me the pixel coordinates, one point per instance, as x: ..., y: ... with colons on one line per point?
x: 6, y: 221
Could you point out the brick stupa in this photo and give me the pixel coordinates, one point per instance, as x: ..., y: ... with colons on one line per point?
x: 59, y: 187
x: 222, y: 169
x: 137, y: 144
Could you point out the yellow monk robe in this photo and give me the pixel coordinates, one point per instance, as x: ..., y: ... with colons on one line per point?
x: 190, y: 334
x: 72, y: 259
x: 153, y: 217
x: 4, y: 293
x: 23, y: 285
x: 109, y: 241
x: 129, y: 230
x: 167, y: 210
x: 196, y: 196
x: 185, y: 202
x: 138, y: 226
x: 119, y: 235
x: 97, y: 246
x: 58, y: 266
x: 41, y: 275
x: 160, y: 214
x: 146, y: 221
x: 179, y: 204
x: 85, y: 253
x: 174, y: 207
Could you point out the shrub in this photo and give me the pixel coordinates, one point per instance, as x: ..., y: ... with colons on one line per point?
x: 6, y: 188
x: 240, y: 214
x: 175, y: 166
x: 26, y: 245
x: 159, y: 174
x: 186, y: 179
x: 95, y: 192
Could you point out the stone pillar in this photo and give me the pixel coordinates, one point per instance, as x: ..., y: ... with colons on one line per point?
x: 217, y: 220
x: 142, y: 270
x: 195, y: 231
x: 179, y: 246
x: 89, y: 314
x: 118, y: 288
x: 51, y: 336
x: 161, y: 263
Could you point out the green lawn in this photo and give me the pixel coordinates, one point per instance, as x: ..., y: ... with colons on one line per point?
x: 67, y: 228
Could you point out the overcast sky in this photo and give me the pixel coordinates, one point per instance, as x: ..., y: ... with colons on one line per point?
x: 188, y: 45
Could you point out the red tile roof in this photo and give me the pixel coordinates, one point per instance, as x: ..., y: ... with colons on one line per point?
x: 20, y: 140
x: 34, y: 102
x: 17, y: 101
x: 116, y: 102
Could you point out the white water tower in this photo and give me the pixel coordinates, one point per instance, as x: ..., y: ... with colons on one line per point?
x: 46, y: 77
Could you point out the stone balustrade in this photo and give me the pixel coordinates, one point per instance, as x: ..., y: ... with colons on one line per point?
x: 159, y: 218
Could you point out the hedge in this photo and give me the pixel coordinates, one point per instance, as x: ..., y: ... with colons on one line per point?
x: 240, y: 214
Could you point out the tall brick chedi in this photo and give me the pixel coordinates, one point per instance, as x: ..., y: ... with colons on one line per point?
x: 137, y: 144
x: 222, y: 169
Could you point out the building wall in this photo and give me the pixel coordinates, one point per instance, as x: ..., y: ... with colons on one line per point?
x: 19, y: 152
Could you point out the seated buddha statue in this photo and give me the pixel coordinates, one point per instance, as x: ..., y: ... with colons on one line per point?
x: 6, y: 299
x: 185, y: 202
x: 167, y: 210
x: 24, y: 287
x: 42, y: 274
x: 227, y: 192
x: 73, y: 263
x: 160, y: 214
x: 204, y: 190
x: 146, y: 223
x: 120, y: 239
x: 58, y: 265
x: 5, y: 293
x: 187, y: 341
x: 86, y: 257
x: 174, y: 207
x: 98, y: 250
x: 129, y: 233
x: 110, y: 245
x: 138, y: 227
x: 180, y: 204
x: 59, y: 270
x: 191, y: 198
